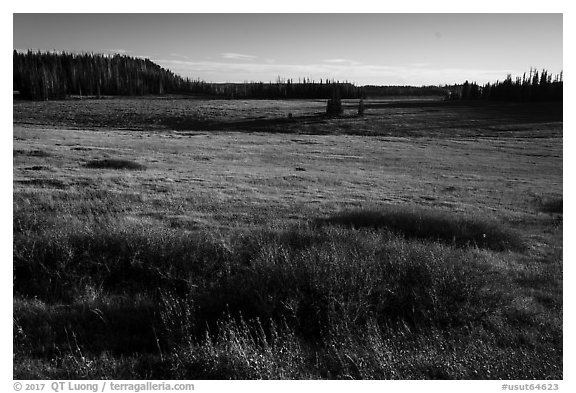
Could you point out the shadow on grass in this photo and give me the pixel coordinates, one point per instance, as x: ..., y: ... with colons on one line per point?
x: 118, y: 324
x: 276, y: 124
x: 432, y: 225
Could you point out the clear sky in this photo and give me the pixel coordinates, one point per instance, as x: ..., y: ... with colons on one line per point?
x: 389, y: 49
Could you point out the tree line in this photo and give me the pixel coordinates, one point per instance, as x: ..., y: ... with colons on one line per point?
x: 387, y: 91
x: 534, y: 86
x: 56, y: 75
x: 51, y: 75
x: 288, y: 88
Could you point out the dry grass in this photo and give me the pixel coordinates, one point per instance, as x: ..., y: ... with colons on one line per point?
x: 209, y: 264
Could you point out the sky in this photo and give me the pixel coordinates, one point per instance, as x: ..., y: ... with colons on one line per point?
x: 380, y: 49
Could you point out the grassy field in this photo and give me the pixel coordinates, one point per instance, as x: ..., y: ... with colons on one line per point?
x: 383, y: 117
x: 197, y: 239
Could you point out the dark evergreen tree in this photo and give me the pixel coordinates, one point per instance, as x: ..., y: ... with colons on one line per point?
x: 334, y: 104
x: 361, y: 107
x: 465, y: 91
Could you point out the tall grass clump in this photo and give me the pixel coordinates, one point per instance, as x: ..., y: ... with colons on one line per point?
x: 117, y: 256
x: 448, y: 228
x: 313, y: 279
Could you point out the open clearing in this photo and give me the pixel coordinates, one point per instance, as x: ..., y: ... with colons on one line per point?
x: 245, y: 187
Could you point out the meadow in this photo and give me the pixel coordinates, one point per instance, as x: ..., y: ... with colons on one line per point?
x: 175, y: 238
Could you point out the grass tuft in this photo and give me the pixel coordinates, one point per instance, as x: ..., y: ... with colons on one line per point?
x: 110, y: 163
x: 552, y: 205
x: 32, y: 153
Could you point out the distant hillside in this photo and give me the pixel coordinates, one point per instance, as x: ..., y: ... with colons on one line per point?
x: 43, y: 76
